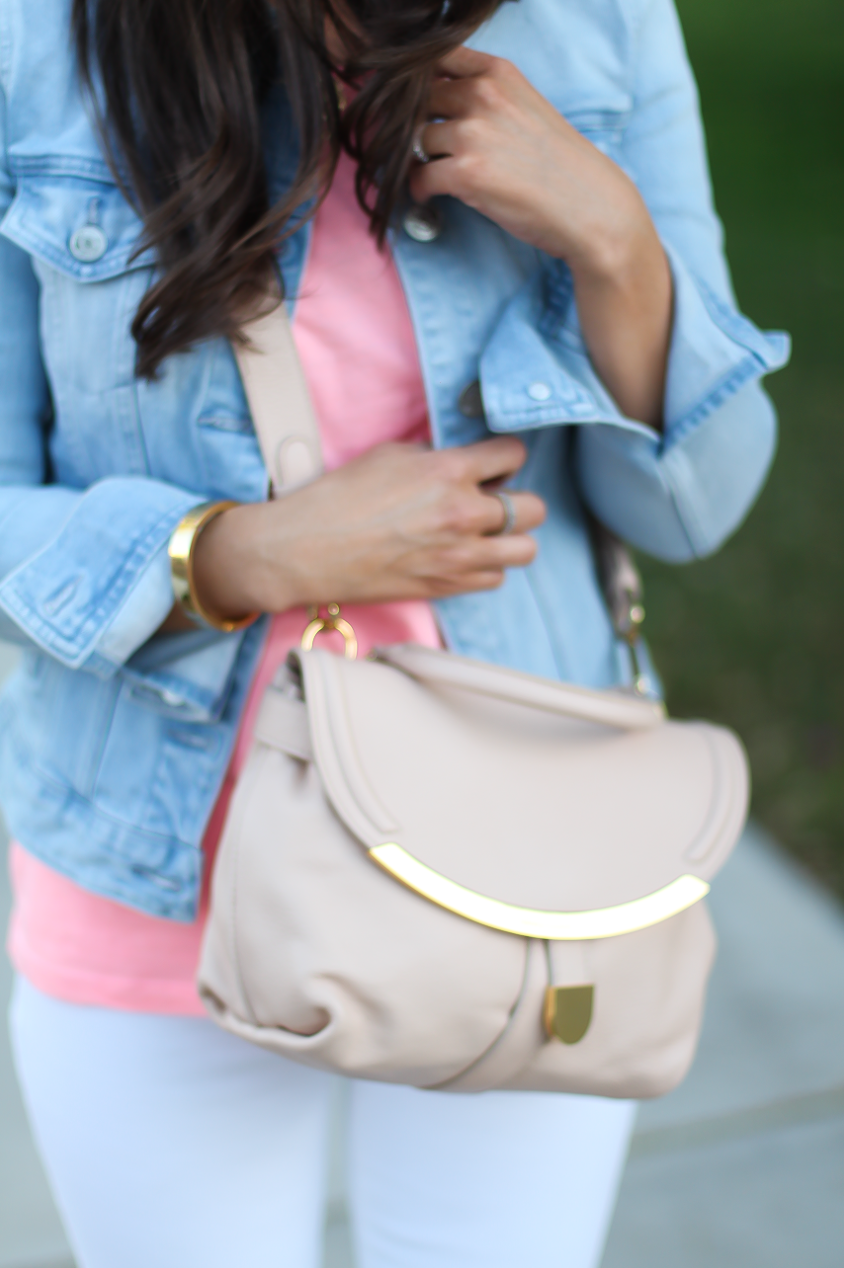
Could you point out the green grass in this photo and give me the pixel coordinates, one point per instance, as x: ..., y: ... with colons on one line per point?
x: 753, y: 637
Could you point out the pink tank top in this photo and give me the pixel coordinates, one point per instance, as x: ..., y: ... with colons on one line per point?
x: 354, y: 336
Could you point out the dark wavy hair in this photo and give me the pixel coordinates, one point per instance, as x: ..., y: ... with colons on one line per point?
x: 178, y: 88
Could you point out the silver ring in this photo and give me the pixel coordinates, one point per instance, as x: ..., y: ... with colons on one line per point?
x: 509, y: 515
x: 419, y: 152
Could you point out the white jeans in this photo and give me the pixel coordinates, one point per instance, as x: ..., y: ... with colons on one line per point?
x: 170, y: 1144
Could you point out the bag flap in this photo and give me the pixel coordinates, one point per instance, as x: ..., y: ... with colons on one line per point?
x: 517, y: 802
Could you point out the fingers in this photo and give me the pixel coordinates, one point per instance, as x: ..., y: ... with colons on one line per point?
x: 466, y: 77
x: 429, y: 180
x: 487, y: 460
x: 528, y: 513
x: 473, y: 555
x: 449, y: 99
x: 404, y: 522
x: 475, y: 511
x: 513, y: 551
x: 438, y: 139
x: 481, y: 581
x: 463, y: 62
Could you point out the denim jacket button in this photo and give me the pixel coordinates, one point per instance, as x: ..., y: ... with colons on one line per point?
x: 422, y: 224
x: 539, y: 391
x: 470, y: 402
x: 88, y: 244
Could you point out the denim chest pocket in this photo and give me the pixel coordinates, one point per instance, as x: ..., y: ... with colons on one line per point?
x: 190, y: 426
x: 83, y: 239
x: 223, y: 446
x: 81, y: 225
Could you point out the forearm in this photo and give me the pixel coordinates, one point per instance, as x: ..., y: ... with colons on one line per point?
x: 506, y: 151
x: 398, y: 522
x: 227, y: 567
x: 624, y: 304
x: 232, y: 572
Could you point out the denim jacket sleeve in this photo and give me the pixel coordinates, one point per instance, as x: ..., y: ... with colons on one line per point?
x: 83, y: 573
x: 679, y: 495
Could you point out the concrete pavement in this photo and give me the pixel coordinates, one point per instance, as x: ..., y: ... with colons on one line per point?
x: 741, y: 1167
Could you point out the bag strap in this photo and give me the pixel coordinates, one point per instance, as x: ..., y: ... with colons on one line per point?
x: 279, y: 401
x: 287, y: 431
x: 605, y: 708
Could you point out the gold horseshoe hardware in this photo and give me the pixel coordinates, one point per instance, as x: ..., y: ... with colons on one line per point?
x: 332, y: 621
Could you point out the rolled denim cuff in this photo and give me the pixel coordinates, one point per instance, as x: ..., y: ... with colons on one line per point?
x: 714, y: 351
x: 98, y: 587
x: 677, y: 493
x: 680, y: 501
x: 536, y: 370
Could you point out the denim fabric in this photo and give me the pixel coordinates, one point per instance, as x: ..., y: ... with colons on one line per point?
x: 114, y: 740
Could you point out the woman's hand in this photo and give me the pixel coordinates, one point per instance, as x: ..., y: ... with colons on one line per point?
x: 400, y: 522
x: 500, y: 147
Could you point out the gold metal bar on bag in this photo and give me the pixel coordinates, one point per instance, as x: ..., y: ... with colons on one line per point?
x: 558, y: 926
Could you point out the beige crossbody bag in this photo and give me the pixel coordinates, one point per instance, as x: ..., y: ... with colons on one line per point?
x: 447, y: 874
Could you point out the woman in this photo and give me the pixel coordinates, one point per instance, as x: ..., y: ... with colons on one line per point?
x: 546, y: 301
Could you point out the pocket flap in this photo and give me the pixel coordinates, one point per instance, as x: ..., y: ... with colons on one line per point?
x: 84, y: 227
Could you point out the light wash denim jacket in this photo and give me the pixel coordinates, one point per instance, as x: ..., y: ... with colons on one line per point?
x: 114, y: 740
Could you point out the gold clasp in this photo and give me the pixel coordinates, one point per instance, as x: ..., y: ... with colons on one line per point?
x: 568, y: 1012
x: 333, y: 621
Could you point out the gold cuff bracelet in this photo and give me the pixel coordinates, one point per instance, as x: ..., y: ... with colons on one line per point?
x: 181, y: 551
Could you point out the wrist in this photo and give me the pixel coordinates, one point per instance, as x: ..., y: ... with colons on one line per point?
x: 614, y: 247
x: 182, y: 551
x: 220, y: 581
x: 237, y: 562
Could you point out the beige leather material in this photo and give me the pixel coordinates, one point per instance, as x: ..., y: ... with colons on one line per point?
x: 279, y: 401
x: 312, y: 951
x: 398, y: 815
x: 595, y: 816
x: 611, y: 708
x: 283, y: 724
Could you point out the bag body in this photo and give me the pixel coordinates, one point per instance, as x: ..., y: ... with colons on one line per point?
x: 452, y: 875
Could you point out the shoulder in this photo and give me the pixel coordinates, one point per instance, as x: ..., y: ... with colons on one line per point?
x: 581, y: 54
x: 601, y: 21
x: 34, y: 27
x: 36, y: 56
x: 46, y: 112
